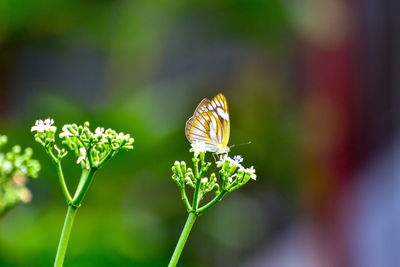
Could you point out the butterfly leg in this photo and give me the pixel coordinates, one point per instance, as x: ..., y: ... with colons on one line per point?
x: 215, y: 158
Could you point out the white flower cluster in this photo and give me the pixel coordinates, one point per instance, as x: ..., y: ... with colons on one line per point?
x: 182, y: 174
x: 231, y: 176
x: 231, y: 165
x: 208, y: 184
x: 198, y: 147
x: 252, y: 172
x: 45, y: 132
x: 91, y: 148
x: 15, y: 166
x: 17, y: 161
x: 44, y: 126
x: 100, y: 136
x: 82, y: 155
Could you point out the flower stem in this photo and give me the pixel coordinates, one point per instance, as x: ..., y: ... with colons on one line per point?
x: 64, y: 187
x: 66, y: 231
x: 195, y: 203
x: 184, y: 198
x: 212, y: 202
x: 83, y: 186
x: 182, y: 239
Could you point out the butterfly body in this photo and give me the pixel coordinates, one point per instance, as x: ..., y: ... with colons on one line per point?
x: 210, y: 125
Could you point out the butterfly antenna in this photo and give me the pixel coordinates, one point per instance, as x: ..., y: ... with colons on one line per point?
x: 242, y: 144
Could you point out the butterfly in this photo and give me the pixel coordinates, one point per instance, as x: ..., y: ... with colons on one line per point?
x: 210, y: 125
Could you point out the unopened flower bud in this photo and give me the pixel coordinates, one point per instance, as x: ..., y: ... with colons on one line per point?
x: 183, y: 167
x: 178, y: 168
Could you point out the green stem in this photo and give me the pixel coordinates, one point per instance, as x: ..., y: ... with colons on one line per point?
x: 64, y: 187
x: 195, y: 203
x: 212, y: 202
x: 84, y: 183
x: 51, y: 154
x: 184, y: 198
x: 182, y: 239
x: 66, y: 231
x: 7, y: 177
x: 109, y: 155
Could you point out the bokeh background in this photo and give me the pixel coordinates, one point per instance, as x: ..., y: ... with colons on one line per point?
x: 313, y: 84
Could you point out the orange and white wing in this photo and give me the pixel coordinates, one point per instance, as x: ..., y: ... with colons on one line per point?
x: 219, y: 107
x: 210, y: 124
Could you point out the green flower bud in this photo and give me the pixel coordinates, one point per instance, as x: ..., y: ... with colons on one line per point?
x: 115, y: 146
x: 206, y: 166
x: 202, y: 156
x: 213, y: 177
x: 178, y: 168
x: 226, y: 166
x: 217, y: 189
x: 195, y: 160
x: 245, y: 178
x: 3, y: 140
x: 28, y: 152
x: 232, y: 169
x: 240, y: 174
x: 189, y: 173
x: 39, y: 140
x: 183, y: 166
x: 16, y: 149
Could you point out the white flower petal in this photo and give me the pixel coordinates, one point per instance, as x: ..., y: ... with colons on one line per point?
x: 252, y: 172
x: 198, y: 147
x: 44, y: 126
x: 82, y: 156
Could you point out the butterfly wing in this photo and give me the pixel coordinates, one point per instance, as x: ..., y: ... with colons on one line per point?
x: 202, y: 107
x: 219, y: 107
x: 195, y: 131
x: 210, y: 124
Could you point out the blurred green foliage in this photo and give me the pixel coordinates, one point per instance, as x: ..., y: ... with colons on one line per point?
x: 132, y: 214
x: 15, y: 166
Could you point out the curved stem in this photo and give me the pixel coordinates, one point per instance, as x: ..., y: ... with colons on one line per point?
x: 84, y: 183
x: 212, y: 202
x: 64, y: 187
x: 109, y: 155
x: 66, y: 231
x: 182, y: 239
x: 51, y: 154
x: 184, y: 198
